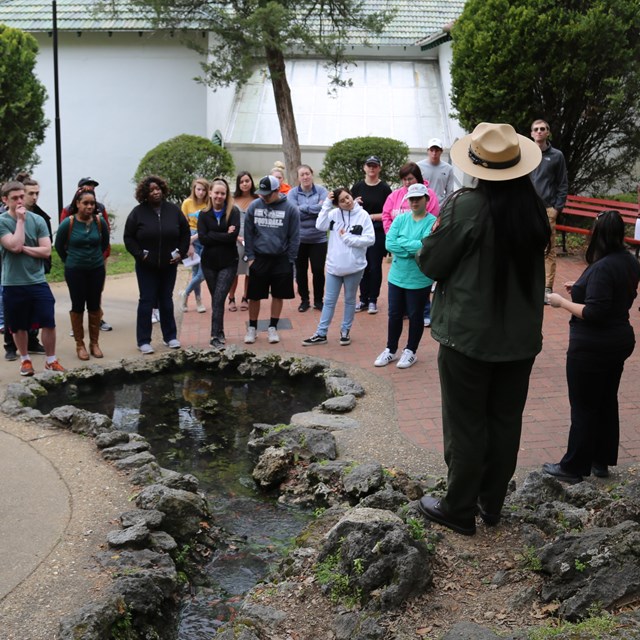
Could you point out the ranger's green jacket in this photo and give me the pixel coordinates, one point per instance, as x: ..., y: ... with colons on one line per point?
x: 466, y: 314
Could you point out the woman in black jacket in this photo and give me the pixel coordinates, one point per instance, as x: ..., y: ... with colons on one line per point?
x: 218, y: 229
x: 157, y: 235
x: 601, y: 338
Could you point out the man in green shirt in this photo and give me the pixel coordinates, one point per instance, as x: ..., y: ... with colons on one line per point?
x: 28, y: 301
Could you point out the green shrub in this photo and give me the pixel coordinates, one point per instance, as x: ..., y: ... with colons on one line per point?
x: 182, y: 159
x: 345, y: 159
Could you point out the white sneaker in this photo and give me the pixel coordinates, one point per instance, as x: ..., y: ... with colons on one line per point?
x: 173, y: 344
x: 146, y: 349
x: 200, y: 308
x: 155, y: 316
x: 250, y: 336
x: 273, y: 335
x: 385, y: 358
x: 182, y: 296
x: 407, y: 359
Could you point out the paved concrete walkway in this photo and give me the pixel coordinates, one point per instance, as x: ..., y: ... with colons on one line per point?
x: 35, y: 502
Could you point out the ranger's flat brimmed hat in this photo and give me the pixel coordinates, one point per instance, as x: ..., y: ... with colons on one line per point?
x: 495, y: 152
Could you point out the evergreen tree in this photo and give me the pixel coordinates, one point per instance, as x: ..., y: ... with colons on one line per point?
x: 575, y: 64
x: 250, y: 31
x: 22, y: 96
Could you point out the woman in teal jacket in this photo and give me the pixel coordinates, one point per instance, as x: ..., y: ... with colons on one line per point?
x: 81, y: 241
x: 408, y: 286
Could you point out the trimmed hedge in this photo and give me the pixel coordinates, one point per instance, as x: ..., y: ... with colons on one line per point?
x: 183, y: 158
x: 345, y: 159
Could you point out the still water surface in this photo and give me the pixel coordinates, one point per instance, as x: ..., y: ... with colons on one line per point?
x: 199, y: 422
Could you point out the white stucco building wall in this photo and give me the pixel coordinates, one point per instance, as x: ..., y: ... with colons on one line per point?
x: 119, y: 97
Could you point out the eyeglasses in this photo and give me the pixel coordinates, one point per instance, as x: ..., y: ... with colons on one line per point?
x: 539, y: 129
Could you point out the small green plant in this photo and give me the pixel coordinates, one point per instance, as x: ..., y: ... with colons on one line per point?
x: 318, y: 511
x: 122, y: 628
x: 341, y: 590
x: 181, y: 556
x: 592, y: 628
x: 579, y: 565
x: 416, y: 528
x: 279, y: 427
x: 358, y: 566
x: 530, y: 560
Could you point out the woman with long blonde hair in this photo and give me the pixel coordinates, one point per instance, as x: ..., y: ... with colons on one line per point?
x: 218, y: 229
x: 191, y: 207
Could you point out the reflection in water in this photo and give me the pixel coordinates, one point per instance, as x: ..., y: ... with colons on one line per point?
x: 198, y: 422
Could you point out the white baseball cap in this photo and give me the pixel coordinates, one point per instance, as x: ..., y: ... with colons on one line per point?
x: 416, y: 191
x: 435, y: 142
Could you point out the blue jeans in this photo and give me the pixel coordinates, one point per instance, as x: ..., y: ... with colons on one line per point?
x: 156, y: 291
x: 409, y: 302
x: 332, y: 288
x: 196, y: 273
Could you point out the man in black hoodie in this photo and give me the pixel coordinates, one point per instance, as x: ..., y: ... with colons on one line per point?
x: 272, y: 238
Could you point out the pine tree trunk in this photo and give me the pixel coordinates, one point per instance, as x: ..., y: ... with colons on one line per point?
x: 284, y: 109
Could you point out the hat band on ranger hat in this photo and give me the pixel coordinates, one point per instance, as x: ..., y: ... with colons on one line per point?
x: 487, y: 164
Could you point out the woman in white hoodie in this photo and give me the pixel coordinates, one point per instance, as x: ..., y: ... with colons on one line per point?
x: 350, y: 233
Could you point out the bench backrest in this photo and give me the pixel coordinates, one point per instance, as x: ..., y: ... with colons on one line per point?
x: 591, y: 207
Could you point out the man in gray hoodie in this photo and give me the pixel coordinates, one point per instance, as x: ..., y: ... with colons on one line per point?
x: 271, y: 238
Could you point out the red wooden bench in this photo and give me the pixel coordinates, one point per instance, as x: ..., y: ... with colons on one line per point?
x: 589, y: 208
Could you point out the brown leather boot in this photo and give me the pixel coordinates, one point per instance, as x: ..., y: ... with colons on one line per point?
x: 78, y: 334
x: 95, y: 318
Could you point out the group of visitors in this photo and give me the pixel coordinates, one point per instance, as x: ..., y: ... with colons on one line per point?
x: 483, y: 251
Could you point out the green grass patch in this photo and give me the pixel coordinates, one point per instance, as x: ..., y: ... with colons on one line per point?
x: 120, y: 261
x: 589, y: 629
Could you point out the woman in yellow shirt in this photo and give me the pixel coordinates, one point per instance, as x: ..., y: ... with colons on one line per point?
x: 191, y: 207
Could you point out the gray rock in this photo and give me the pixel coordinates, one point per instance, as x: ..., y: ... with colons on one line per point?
x: 237, y: 631
x: 363, y: 479
x: 523, y: 598
x: 617, y: 512
x: 151, y: 518
x: 536, y: 489
x: 386, y: 498
x: 597, y: 565
x: 582, y: 494
x: 111, y: 438
x: 339, y: 404
x: 149, y: 473
x: 469, y: 631
x: 135, y: 461
x: 80, y: 421
x: 273, y: 466
x: 267, y: 616
x: 631, y: 491
x: 20, y: 394
x: 402, y: 482
x: 350, y: 625
x: 316, y: 420
x: 162, y: 541
x: 308, y: 444
x: 343, y: 386
x: 93, y: 621
x: 305, y: 365
x: 383, y: 563
x: 183, y: 510
x: 327, y: 471
x: 124, y: 450
x: 175, y: 480
x: 135, y: 536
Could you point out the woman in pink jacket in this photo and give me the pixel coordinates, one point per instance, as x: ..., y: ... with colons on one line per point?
x: 395, y: 205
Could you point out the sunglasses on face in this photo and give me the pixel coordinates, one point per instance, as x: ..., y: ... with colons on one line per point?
x: 539, y: 129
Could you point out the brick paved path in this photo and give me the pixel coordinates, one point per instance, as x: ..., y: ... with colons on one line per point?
x: 416, y: 391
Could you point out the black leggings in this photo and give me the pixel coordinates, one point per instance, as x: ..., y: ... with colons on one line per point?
x: 219, y: 283
x: 85, y: 288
